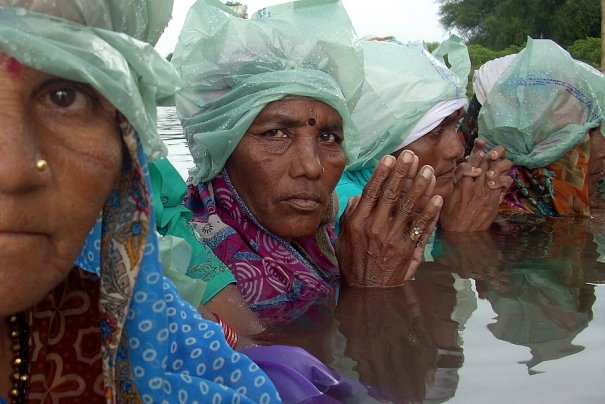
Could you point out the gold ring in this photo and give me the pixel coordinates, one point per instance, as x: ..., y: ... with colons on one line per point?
x: 41, y: 165
x: 416, y: 235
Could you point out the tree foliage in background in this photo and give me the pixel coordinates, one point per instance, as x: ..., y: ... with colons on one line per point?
x: 497, y: 24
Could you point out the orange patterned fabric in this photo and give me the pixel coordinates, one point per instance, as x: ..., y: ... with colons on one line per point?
x: 65, y: 343
x: 559, y: 189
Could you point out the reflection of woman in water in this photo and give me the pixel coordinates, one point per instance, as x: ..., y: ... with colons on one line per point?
x: 547, y: 302
x: 417, y: 354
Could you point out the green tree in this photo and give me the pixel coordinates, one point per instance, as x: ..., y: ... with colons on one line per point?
x: 499, y: 23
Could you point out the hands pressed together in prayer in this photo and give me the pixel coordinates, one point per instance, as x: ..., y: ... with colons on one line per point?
x: 479, y: 184
x: 385, y: 230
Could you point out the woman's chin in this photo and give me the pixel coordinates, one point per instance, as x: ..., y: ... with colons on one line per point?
x: 297, y: 228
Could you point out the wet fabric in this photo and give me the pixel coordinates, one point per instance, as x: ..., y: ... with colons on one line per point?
x: 270, y: 272
x: 155, y: 346
x: 486, y: 77
x: 540, y: 107
x: 304, y: 378
x: 234, y: 67
x: 559, y: 189
x: 126, y: 71
x: 172, y: 220
x: 407, y: 92
x: 152, y: 345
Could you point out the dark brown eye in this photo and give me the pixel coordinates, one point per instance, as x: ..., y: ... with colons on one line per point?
x: 64, y: 97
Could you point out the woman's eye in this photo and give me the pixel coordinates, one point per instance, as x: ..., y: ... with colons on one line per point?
x: 329, y: 137
x: 436, y: 132
x: 276, y: 133
x: 68, y: 98
x: 63, y: 98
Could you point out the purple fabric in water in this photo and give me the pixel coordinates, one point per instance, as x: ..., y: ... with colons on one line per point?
x: 302, y: 378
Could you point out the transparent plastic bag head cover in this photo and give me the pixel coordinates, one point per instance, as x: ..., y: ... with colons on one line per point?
x: 233, y: 67
x: 104, y: 43
x: 403, y: 82
x: 540, y: 107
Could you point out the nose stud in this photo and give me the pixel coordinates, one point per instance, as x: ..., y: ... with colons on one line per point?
x: 41, y: 165
x: 323, y: 170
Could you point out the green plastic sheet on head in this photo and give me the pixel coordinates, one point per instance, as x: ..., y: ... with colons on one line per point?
x: 596, y: 80
x: 402, y: 83
x: 540, y: 107
x: 104, y: 43
x: 233, y: 67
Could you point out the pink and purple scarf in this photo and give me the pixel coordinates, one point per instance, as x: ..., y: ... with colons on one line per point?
x: 270, y: 272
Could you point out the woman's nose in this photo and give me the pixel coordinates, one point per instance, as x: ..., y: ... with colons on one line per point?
x: 22, y: 166
x: 454, y: 148
x: 305, y: 159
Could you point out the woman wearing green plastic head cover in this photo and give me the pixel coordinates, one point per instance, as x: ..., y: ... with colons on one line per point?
x: 265, y: 111
x: 85, y: 313
x: 540, y: 107
x: 412, y: 101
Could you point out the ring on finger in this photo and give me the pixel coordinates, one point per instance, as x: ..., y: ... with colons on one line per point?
x: 416, y: 235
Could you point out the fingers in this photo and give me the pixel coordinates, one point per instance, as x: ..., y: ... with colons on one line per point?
x: 349, y: 209
x: 392, y: 187
x: 426, y: 222
x: 477, y: 154
x: 466, y: 170
x: 498, y: 175
x: 497, y: 153
x: 406, y: 208
x: 372, y: 190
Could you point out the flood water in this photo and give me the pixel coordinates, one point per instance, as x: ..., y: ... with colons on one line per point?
x: 514, y: 315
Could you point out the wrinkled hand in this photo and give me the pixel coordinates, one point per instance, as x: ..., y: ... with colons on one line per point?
x: 479, y: 184
x: 384, y: 232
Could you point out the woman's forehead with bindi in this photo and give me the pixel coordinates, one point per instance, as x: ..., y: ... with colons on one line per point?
x: 11, y: 65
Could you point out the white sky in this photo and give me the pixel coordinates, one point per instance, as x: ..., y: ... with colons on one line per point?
x: 407, y: 20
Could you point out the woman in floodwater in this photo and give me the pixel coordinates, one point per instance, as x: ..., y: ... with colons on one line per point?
x: 269, y: 138
x: 541, y: 107
x: 76, y: 128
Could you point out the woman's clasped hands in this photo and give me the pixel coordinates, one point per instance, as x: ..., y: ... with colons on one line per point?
x: 479, y: 184
x: 384, y: 231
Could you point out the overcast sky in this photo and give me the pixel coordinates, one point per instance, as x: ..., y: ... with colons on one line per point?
x: 408, y: 20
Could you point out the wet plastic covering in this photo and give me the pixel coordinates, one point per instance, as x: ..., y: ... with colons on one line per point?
x: 596, y: 79
x: 233, y: 67
x: 540, y: 107
x: 402, y: 83
x: 84, y: 41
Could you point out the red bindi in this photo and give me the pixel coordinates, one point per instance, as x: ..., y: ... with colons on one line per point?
x: 311, y: 122
x: 13, y: 66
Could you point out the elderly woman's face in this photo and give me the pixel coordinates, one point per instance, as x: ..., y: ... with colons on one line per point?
x: 46, y: 212
x: 440, y: 148
x: 288, y: 163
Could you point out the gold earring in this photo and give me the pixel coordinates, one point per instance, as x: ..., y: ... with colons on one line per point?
x: 41, y: 165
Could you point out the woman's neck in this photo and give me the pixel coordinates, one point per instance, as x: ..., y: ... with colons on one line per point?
x: 6, y: 357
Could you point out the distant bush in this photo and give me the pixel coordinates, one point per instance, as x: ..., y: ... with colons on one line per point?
x: 480, y: 54
x: 587, y: 50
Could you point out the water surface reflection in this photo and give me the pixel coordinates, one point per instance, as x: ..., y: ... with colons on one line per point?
x: 516, y: 314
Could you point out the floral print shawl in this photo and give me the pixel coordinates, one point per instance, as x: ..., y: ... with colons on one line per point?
x: 274, y: 276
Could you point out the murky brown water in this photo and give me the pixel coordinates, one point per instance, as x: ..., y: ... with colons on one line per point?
x: 515, y: 315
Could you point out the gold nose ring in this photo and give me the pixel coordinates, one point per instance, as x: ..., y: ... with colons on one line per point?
x: 41, y: 165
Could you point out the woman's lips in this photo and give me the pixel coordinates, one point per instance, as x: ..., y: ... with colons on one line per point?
x: 303, y: 204
x: 446, y: 175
